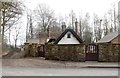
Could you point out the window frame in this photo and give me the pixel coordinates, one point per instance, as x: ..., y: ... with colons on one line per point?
x: 68, y: 35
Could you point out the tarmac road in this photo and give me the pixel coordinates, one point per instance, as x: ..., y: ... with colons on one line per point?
x: 38, y: 71
x: 41, y: 67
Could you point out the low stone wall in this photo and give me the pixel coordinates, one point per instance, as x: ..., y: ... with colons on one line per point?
x: 65, y: 52
x: 109, y: 52
x: 31, y: 49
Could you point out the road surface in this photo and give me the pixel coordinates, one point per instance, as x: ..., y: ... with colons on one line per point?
x: 38, y: 71
x: 41, y: 67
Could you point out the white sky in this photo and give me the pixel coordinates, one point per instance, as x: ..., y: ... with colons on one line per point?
x: 63, y: 7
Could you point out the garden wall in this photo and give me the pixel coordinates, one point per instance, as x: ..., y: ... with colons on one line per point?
x: 65, y: 52
x: 109, y: 52
x: 31, y: 49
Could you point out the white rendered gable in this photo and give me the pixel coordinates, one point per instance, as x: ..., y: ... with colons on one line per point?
x: 66, y: 40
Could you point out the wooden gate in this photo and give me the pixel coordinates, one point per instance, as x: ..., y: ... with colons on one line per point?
x: 41, y: 51
x: 91, y: 51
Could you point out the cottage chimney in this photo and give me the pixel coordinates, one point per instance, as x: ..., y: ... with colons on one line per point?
x: 76, y: 26
x: 63, y: 26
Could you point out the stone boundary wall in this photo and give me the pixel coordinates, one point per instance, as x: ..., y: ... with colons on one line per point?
x: 70, y: 52
x: 109, y: 52
x: 74, y: 52
x: 31, y: 49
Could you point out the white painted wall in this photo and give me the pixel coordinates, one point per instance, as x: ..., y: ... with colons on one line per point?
x: 66, y: 40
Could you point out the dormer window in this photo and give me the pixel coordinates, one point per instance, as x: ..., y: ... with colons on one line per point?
x: 68, y: 35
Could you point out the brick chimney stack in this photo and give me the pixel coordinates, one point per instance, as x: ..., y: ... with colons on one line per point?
x: 76, y: 26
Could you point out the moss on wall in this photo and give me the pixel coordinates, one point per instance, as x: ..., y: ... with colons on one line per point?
x: 31, y: 49
x: 109, y: 52
x: 65, y: 52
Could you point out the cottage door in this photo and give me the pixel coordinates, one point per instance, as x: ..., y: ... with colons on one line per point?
x: 91, y: 51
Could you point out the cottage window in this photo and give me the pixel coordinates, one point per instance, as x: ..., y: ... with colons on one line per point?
x: 68, y: 35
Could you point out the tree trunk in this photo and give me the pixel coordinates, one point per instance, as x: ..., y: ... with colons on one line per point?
x: 0, y: 31
x: 3, y: 39
x: 3, y: 28
x: 9, y: 38
x: 15, y: 43
x: 80, y: 30
x: 115, y: 20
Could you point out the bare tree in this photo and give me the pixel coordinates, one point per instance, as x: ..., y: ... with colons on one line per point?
x: 86, y: 29
x: 0, y: 30
x: 16, y: 35
x: 60, y: 20
x: 115, y: 18
x: 105, y: 25
x: 29, y: 30
x: 80, y: 23
x: 97, y: 28
x: 111, y: 19
x: 96, y: 25
x: 10, y: 13
x: 44, y: 15
x: 72, y: 18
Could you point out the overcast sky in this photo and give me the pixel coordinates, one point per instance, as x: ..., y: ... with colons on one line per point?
x: 63, y: 7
